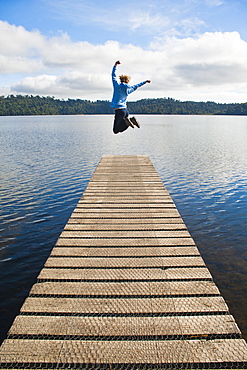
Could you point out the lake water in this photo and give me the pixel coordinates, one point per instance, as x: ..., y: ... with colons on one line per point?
x: 47, y: 161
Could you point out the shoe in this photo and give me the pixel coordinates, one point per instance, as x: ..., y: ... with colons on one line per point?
x: 135, y: 122
x: 128, y: 122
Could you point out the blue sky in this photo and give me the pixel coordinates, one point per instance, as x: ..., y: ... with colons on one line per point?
x: 190, y: 49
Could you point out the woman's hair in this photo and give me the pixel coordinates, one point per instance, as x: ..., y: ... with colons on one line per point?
x: 125, y: 78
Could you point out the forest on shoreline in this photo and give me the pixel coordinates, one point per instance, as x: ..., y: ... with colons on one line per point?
x: 25, y: 105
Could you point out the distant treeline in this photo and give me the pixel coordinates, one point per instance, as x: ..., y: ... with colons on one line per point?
x: 36, y: 105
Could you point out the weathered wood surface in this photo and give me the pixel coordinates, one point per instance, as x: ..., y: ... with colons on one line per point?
x: 125, y: 286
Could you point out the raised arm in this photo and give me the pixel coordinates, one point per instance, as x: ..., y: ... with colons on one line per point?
x: 114, y: 76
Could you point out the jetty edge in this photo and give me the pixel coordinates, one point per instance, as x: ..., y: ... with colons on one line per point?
x: 125, y: 286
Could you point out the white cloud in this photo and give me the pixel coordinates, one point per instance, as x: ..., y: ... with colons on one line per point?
x: 37, y: 85
x: 69, y: 84
x: 211, y: 66
x: 16, y: 41
x: 210, y: 59
x: 18, y: 64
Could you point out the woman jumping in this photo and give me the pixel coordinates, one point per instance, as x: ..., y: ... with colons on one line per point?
x: 120, y: 94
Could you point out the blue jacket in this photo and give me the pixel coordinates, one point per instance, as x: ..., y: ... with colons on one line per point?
x: 121, y: 91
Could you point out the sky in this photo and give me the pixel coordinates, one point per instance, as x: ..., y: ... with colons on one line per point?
x: 189, y: 49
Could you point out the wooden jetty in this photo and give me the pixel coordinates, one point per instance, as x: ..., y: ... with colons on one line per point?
x: 124, y: 287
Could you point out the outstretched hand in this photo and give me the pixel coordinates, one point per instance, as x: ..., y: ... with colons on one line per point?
x: 148, y: 81
x: 117, y: 62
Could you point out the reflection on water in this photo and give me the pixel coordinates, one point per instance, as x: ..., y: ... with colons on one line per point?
x: 46, y: 163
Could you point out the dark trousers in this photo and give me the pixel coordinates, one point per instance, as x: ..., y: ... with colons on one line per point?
x: 119, y: 122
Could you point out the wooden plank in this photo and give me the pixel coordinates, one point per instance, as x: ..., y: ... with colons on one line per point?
x: 126, y: 326
x: 125, y: 234
x: 128, y: 182
x: 126, y: 227
x: 125, y: 274
x: 124, y: 252
x: 115, y: 262
x: 124, y: 242
x: 121, y: 222
x: 138, y: 175
x: 121, y: 203
x: 112, y: 192
x: 97, y: 214
x: 123, y: 306
x: 138, y: 198
x: 127, y: 212
x: 129, y: 288
x: 128, y: 187
x: 124, y: 352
